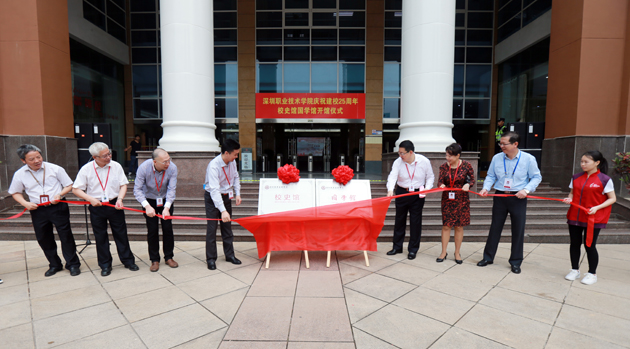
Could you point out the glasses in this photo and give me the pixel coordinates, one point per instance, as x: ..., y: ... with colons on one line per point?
x: 504, y: 144
x: 402, y: 153
x: 108, y: 155
x: 165, y: 162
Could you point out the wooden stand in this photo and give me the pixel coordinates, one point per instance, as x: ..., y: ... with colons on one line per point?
x: 328, y: 260
x: 308, y: 265
x: 306, y: 259
x: 268, y: 258
x: 367, y: 261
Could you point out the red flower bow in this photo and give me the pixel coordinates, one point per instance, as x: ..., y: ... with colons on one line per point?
x: 343, y: 174
x: 288, y: 174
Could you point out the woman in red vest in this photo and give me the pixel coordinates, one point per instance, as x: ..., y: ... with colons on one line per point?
x: 591, y: 188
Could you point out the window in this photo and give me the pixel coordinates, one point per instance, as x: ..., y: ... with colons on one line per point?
x: 108, y: 15
x: 515, y: 14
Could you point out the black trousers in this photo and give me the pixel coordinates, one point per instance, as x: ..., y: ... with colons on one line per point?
x: 578, y: 236
x: 412, y: 204
x: 517, y: 208
x: 226, y: 228
x: 43, y: 218
x: 153, y: 233
x: 100, y: 215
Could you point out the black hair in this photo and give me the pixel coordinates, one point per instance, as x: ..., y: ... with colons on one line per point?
x: 136, y: 136
x: 514, y: 137
x: 407, y: 144
x: 596, y: 155
x: 230, y: 145
x: 454, y: 149
x: 25, y: 149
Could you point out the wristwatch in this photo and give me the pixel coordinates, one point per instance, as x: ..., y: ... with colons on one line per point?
x: 526, y: 191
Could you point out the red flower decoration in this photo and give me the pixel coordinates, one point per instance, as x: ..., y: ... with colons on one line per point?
x: 288, y: 174
x: 343, y: 174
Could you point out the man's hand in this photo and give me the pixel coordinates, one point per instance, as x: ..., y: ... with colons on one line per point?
x: 521, y: 194
x: 225, y: 216
x: 390, y: 193
x: 483, y: 192
x: 55, y: 199
x: 119, y: 204
x: 95, y: 202
x: 30, y: 206
x: 466, y: 187
x: 150, y: 211
x: 166, y: 212
x: 443, y: 186
x: 238, y: 200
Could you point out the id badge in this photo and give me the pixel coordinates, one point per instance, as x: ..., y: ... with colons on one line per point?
x: 451, y: 195
x: 44, y: 199
x: 159, y: 202
x: 104, y: 198
x: 231, y: 194
x: 411, y: 188
x: 507, y: 184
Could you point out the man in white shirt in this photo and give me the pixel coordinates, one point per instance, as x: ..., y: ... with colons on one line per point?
x: 410, y: 172
x: 222, y: 184
x: 46, y: 183
x: 104, y: 181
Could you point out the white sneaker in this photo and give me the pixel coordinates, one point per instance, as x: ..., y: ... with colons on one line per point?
x: 0, y: 281
x: 589, y: 279
x: 572, y: 275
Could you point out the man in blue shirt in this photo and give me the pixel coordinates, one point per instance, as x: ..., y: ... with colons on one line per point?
x: 515, y: 173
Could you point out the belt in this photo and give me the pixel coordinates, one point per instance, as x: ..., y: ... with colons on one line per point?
x: 407, y: 189
x: 505, y: 192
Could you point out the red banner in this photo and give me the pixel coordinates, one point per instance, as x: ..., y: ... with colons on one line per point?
x: 310, y: 106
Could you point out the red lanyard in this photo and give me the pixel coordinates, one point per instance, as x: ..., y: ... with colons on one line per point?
x: 99, y: 178
x: 159, y: 187
x: 226, y: 176
x: 449, y: 174
x: 414, y: 171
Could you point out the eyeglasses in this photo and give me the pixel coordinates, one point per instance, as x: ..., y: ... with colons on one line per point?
x: 402, y: 153
x: 108, y: 155
x: 504, y: 144
x: 165, y: 162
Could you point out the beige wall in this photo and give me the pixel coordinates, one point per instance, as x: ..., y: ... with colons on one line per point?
x: 375, y: 23
x: 36, y: 82
x: 247, y: 74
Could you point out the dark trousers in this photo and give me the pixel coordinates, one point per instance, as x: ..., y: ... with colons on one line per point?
x: 43, y: 218
x: 153, y: 234
x: 133, y: 164
x: 226, y: 228
x: 517, y: 208
x: 100, y: 215
x: 578, y: 236
x: 412, y: 204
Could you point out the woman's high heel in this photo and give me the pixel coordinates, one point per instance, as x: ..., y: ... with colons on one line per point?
x: 440, y: 260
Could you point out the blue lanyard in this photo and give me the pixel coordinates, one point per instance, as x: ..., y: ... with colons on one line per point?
x: 505, y: 168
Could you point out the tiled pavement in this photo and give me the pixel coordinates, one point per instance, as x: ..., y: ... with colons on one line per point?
x: 394, y: 303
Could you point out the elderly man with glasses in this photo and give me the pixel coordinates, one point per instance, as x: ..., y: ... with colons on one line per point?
x: 515, y: 173
x: 411, y: 172
x: 156, y: 182
x: 104, y: 181
x: 46, y: 183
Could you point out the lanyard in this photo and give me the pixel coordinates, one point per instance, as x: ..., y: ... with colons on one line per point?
x: 159, y: 187
x: 226, y: 176
x: 505, y: 168
x: 414, y: 171
x: 43, y: 180
x: 99, y: 178
x: 452, y: 183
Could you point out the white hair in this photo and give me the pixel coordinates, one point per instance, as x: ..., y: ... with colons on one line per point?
x: 97, y: 148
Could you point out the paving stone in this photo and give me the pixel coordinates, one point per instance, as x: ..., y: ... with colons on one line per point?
x: 376, y: 263
x: 246, y: 274
x: 360, y: 305
x: 15, y: 314
x: 11, y: 267
x: 317, y: 261
x: 554, y: 291
x: 15, y: 278
x: 455, y: 286
x: 224, y: 265
x: 319, y: 284
x: 142, y: 283
x: 283, y: 260
x: 367, y: 341
x: 408, y: 273
x: 535, y: 308
x: 321, y: 345
x: 350, y: 273
x: 399, y: 326
x: 455, y: 337
x: 561, y: 338
x: 589, y: 322
x: 13, y: 294
x: 381, y: 287
x: 252, y: 345
x: 509, y: 329
x: 320, y: 319
x: 599, y: 302
x: 186, y: 272
x: 211, y: 286
x: 442, y: 307
x: 53, y: 285
x: 163, y: 331
x: 120, y: 337
x: 226, y: 306
x: 68, y: 301
x: 20, y: 336
x: 151, y: 303
x: 262, y: 319
x: 208, y: 341
x: 274, y: 283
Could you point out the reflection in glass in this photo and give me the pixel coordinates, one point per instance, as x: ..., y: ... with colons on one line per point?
x: 296, y: 19
x: 391, y: 108
x: 225, y: 37
x: 269, y: 54
x: 296, y: 78
x: 352, y: 19
x: 352, y: 36
x: 477, y: 109
x: 225, y: 20
x: 145, y: 109
x: 268, y: 78
x: 391, y: 80
x: 457, y: 108
x: 324, y: 53
x: 458, y: 81
x: 144, y: 80
x: 226, y: 80
x: 351, y: 53
x: 328, y: 19
x: 296, y: 37
x: 480, y: 19
x: 144, y: 38
x: 324, y: 78
x: 324, y: 36
x: 393, y: 36
x: 225, y: 54
x: 296, y: 53
x: 351, y: 78
x: 269, y: 37
x: 478, y: 79
x: 269, y: 19
x: 226, y: 108
x: 479, y: 38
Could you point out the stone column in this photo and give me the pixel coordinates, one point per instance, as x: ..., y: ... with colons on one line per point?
x: 187, y: 75
x: 428, y: 48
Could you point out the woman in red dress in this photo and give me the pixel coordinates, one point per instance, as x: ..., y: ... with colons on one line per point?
x: 455, y: 173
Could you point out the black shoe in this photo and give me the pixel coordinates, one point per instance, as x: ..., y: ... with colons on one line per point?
x: 483, y: 263
x: 233, y: 260
x: 106, y: 271
x: 440, y: 260
x: 74, y: 271
x: 52, y: 271
x: 132, y: 267
x: 516, y: 270
x: 412, y: 255
x: 393, y: 252
x: 212, y: 265
x: 459, y: 261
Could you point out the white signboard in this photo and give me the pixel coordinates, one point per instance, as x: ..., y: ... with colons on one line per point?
x: 246, y: 161
x: 330, y: 192
x: 275, y: 196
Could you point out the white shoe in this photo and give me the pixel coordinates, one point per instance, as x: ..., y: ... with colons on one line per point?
x: 0, y: 281
x: 589, y: 279
x: 573, y: 275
